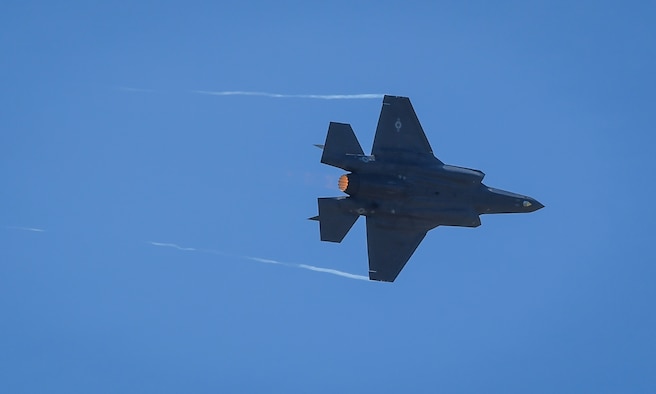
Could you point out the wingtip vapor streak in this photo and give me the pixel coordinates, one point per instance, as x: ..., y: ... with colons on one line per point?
x: 402, y: 189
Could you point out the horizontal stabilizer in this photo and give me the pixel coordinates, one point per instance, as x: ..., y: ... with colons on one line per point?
x: 334, y: 220
x: 341, y: 143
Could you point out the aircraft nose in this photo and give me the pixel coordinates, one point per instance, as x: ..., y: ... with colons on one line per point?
x: 537, y: 205
x: 532, y: 205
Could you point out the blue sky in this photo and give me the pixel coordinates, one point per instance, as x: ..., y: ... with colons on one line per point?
x: 106, y: 147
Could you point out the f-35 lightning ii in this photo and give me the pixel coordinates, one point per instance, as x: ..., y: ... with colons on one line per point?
x: 403, y: 190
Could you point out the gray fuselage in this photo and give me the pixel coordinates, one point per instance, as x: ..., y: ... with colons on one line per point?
x: 424, y: 191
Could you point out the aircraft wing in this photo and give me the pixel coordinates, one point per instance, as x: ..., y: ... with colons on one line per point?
x: 390, y: 243
x: 399, y: 129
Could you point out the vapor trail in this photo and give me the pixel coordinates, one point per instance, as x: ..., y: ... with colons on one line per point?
x: 280, y: 95
x: 33, y: 229
x: 308, y: 267
x: 170, y: 245
x: 332, y: 271
x: 261, y: 260
x: 136, y: 90
x: 265, y: 261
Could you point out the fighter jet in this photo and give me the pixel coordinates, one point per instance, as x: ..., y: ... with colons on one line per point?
x: 402, y: 189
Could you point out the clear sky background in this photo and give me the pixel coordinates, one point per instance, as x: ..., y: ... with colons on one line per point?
x: 105, y: 148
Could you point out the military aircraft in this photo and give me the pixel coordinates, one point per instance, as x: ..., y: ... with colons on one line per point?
x: 403, y: 190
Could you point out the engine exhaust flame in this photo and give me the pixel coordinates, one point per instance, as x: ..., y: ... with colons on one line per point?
x: 343, y: 183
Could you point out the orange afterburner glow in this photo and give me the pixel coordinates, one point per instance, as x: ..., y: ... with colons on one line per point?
x: 343, y: 183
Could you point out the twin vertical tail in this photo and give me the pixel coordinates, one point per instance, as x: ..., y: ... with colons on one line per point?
x: 335, y: 219
x: 341, y: 145
x: 335, y: 216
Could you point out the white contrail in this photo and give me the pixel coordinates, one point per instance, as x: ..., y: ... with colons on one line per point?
x: 309, y: 267
x: 332, y: 271
x: 265, y: 261
x: 136, y: 90
x: 266, y: 94
x: 170, y: 245
x: 261, y: 260
x: 280, y: 95
x: 33, y: 229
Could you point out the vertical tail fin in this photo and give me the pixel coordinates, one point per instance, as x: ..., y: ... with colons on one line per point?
x: 340, y: 143
x: 334, y: 220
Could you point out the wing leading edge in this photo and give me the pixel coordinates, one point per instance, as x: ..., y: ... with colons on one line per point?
x: 390, y: 245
